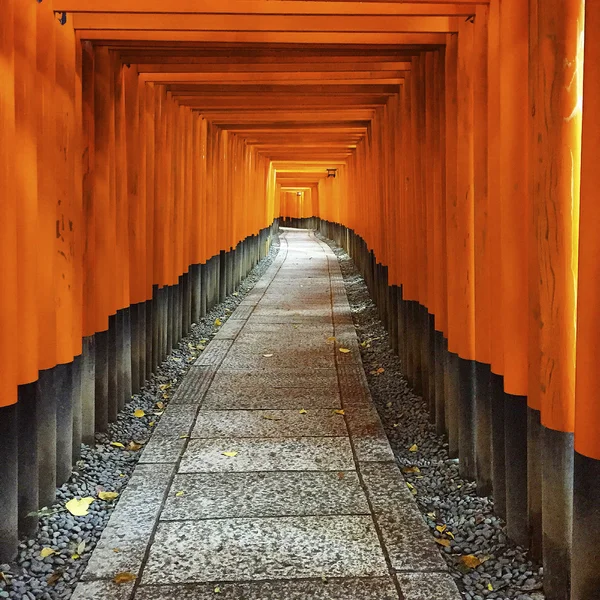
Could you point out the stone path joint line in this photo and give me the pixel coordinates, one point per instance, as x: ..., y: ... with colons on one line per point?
x: 270, y: 476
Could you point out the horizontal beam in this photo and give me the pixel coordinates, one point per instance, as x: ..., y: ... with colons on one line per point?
x: 269, y: 37
x: 291, y: 78
x: 286, y: 7
x: 249, y: 22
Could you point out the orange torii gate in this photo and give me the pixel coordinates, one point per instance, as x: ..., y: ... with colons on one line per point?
x: 147, y: 149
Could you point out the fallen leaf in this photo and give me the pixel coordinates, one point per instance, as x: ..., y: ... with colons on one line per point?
x: 344, y: 350
x: 81, y: 547
x: 230, y: 454
x: 235, y: 294
x: 490, y: 587
x: 341, y: 475
x: 470, y: 560
x: 323, y: 579
x: 151, y: 424
x: 139, y: 413
x: 179, y: 494
x: 218, y: 322
x: 431, y: 515
x: 441, y: 528
x: 75, y: 556
x: 217, y: 590
x: 450, y: 534
x: 184, y: 436
x: 165, y: 386
x: 107, y: 496
x: 267, y: 355
x: 380, y: 370
x: 411, y: 470
x: 158, y: 412
x: 133, y: 446
x: 200, y: 347
x: 117, y: 444
x: 442, y: 542
x: 331, y: 339
x: 124, y: 577
x: 389, y: 405
x: 412, y: 488
x: 160, y: 405
x: 54, y: 577
x: 302, y: 411
x: 79, y: 508
x: 413, y: 448
x: 395, y: 424
x: 116, y: 550
x: 271, y: 418
x: 339, y: 412
x: 121, y: 474
x: 45, y: 552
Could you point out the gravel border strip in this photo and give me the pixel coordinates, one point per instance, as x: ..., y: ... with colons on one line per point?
x: 463, y: 523
x: 107, y: 466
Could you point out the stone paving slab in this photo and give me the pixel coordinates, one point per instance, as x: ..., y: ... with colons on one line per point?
x: 228, y: 495
x: 230, y: 329
x: 267, y: 454
x: 307, y: 377
x: 380, y: 588
x: 177, y: 420
x: 266, y: 548
x: 427, y: 586
x: 269, y: 423
x: 162, y: 449
x: 103, y: 589
x: 270, y: 356
x: 194, y: 385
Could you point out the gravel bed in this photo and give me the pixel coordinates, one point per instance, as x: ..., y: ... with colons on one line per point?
x: 107, y: 467
x: 464, y: 523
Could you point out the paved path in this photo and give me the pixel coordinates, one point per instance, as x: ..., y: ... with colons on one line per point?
x: 269, y: 475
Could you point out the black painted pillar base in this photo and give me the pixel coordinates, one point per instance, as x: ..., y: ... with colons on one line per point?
x: 498, y: 456
x: 222, y: 276
x: 534, y: 482
x: 127, y: 383
x: 63, y: 382
x: 156, y: 312
x: 88, y: 389
x: 170, y: 330
x: 483, y: 429
x: 196, y: 292
x: 46, y: 437
x: 451, y: 389
x: 431, y: 364
x: 440, y: 349
x: 515, y: 452
x: 393, y: 316
x: 101, y: 378
x: 187, y: 319
x: 29, y: 499
x: 76, y: 400
x: 557, y: 512
x: 203, y: 289
x: 112, y: 357
x: 135, y: 327
x: 9, y: 538
x: 466, y: 418
x: 585, y: 574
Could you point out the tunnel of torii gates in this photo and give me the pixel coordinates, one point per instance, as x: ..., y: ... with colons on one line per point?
x: 149, y: 148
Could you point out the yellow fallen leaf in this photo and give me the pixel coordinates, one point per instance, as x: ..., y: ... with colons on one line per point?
x: 184, y: 436
x: 121, y: 474
x: 165, y: 386
x: 271, y: 418
x: 79, y: 508
x: 124, y: 577
x: 331, y: 339
x: 395, y: 424
x: 450, y: 534
x: 160, y: 405
x: 441, y: 528
x: 380, y: 370
x: 413, y: 448
x: 117, y: 444
x: 134, y: 446
x: 200, y: 347
x: 230, y: 454
x: 442, y: 542
x: 302, y: 411
x: 151, y: 424
x: 218, y: 322
x: 490, y: 587
x: 108, y: 495
x: 116, y: 550
x: 217, y: 590
x: 75, y: 556
x: 411, y: 470
x: 158, y: 412
x: 139, y: 413
x: 411, y: 487
x: 470, y: 560
x: 344, y: 350
x: 267, y: 355
x: 45, y: 552
x: 81, y: 547
x: 179, y: 494
x: 431, y: 515
x: 339, y: 412
x: 235, y: 294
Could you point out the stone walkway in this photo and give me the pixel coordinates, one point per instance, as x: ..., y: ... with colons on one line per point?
x: 269, y: 475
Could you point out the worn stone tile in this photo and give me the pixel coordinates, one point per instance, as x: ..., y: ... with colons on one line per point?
x: 267, y: 454
x: 266, y: 548
x: 194, y: 385
x: 306, y: 377
x: 227, y: 495
x: 230, y: 330
x: 406, y: 536
x: 130, y: 526
x: 242, y: 312
x: 248, y: 357
x: 353, y: 386
x: 376, y: 588
x: 291, y: 318
x: 162, y: 449
x: 105, y: 590
x: 425, y: 586
x: 267, y: 397
x: 177, y: 420
x: 215, y: 352
x: 285, y: 330
x: 368, y: 436
x: 268, y: 423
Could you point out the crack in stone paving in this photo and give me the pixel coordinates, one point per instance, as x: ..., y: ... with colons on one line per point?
x: 447, y: 502
x: 285, y: 485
